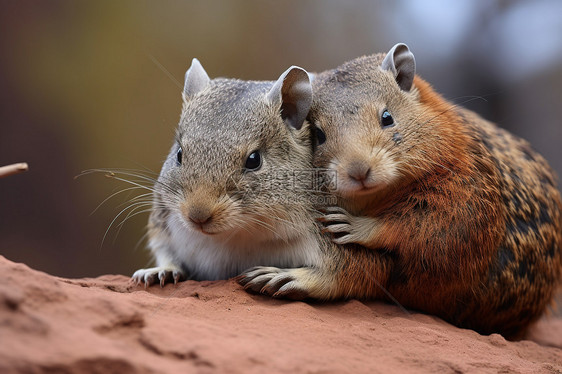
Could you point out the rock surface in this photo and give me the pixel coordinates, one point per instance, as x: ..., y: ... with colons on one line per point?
x: 108, y: 325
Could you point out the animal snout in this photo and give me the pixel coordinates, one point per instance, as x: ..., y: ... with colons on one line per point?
x: 199, y: 215
x: 359, y: 171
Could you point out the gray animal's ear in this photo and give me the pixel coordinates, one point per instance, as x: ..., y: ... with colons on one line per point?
x: 196, y: 79
x: 400, y: 61
x: 293, y: 92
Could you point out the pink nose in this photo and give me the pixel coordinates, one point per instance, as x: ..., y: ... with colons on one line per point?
x: 359, y: 171
x: 199, y: 216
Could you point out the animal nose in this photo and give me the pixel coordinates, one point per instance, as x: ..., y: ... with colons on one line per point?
x: 199, y: 216
x: 359, y: 171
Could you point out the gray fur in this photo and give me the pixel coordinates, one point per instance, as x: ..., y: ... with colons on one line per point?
x: 263, y: 224
x: 196, y: 79
x: 257, y: 217
x: 401, y: 62
x: 293, y: 92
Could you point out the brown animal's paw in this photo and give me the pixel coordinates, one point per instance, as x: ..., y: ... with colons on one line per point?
x: 278, y: 283
x: 161, y: 274
x: 347, y: 228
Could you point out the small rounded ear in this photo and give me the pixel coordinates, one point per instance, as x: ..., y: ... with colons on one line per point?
x: 400, y: 61
x: 311, y: 76
x: 196, y: 79
x: 293, y: 92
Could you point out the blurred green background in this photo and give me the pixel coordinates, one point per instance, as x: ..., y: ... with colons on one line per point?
x: 90, y: 84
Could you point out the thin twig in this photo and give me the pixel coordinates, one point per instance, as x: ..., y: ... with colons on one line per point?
x: 6, y: 171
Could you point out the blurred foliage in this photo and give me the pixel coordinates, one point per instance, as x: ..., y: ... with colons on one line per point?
x: 89, y: 84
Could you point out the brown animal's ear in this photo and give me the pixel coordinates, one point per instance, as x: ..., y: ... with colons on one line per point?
x: 400, y: 61
x: 196, y: 79
x: 293, y: 93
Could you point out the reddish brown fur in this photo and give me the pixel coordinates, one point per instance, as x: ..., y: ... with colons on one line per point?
x: 473, y: 236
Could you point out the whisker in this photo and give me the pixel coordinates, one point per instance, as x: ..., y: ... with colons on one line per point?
x: 164, y: 70
x: 113, y: 173
x: 142, y: 238
x: 113, y: 195
x: 129, y: 216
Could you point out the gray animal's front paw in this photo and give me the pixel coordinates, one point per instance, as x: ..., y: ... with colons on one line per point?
x: 347, y: 228
x: 164, y: 274
x: 278, y: 283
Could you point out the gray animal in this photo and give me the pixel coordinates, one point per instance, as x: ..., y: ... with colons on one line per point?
x: 232, y: 196
x: 235, y: 191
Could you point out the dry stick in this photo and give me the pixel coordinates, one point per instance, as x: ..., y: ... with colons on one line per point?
x: 6, y: 171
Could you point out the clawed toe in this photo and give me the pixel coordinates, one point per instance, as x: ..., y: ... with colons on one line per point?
x: 159, y: 275
x: 272, y: 287
x: 346, y: 239
x: 163, y: 276
x: 178, y: 276
x: 291, y: 291
x: 333, y: 218
x: 337, y: 228
x: 274, y: 282
x: 150, y: 279
x: 336, y: 209
x: 258, y: 283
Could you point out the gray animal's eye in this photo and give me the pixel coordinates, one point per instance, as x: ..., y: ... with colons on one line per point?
x: 253, y: 162
x: 386, y: 120
x: 179, y: 156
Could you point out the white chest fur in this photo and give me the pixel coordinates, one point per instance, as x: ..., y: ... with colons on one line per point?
x: 210, y: 257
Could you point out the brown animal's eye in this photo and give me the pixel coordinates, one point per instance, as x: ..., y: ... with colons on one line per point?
x: 320, y: 135
x: 253, y: 162
x: 386, y: 120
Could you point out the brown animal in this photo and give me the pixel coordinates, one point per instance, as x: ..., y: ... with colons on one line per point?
x: 455, y: 217
x: 469, y: 213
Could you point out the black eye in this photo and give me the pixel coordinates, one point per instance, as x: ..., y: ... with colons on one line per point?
x: 320, y: 135
x: 179, y: 156
x: 386, y: 120
x: 253, y: 162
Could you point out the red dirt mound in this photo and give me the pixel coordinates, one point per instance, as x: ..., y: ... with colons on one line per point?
x: 108, y: 325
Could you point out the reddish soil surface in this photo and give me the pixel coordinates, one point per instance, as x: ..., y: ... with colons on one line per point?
x: 108, y: 325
